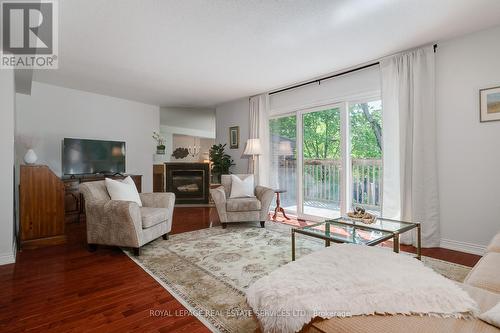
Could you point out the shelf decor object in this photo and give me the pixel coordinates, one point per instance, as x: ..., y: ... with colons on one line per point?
x: 160, y: 143
x: 194, y: 150
x: 180, y: 153
x: 30, y: 157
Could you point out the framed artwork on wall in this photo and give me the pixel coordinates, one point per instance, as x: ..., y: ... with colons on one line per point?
x: 489, y: 104
x: 234, y: 137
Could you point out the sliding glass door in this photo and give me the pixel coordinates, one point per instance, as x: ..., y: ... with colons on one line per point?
x: 283, y: 136
x: 321, y: 162
x: 365, y: 120
x: 328, y: 159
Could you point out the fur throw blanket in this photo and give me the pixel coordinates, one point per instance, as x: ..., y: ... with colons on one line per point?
x: 349, y: 280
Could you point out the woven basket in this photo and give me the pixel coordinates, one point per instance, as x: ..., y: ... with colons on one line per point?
x: 366, y: 220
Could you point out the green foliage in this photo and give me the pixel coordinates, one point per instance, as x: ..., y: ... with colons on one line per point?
x: 286, y: 127
x: 322, y: 133
x: 322, y: 141
x: 364, y: 142
x: 221, y: 162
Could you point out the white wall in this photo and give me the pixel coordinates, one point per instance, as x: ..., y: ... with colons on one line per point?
x: 234, y: 113
x: 52, y: 113
x: 7, y: 114
x: 468, y: 151
x: 359, y: 84
x: 202, y: 119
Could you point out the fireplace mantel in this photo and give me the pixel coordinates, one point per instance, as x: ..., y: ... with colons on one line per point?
x: 189, y: 182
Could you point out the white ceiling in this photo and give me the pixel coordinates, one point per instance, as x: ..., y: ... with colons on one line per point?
x: 203, y: 52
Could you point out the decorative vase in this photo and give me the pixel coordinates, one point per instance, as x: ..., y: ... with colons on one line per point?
x: 160, y: 150
x: 30, y: 157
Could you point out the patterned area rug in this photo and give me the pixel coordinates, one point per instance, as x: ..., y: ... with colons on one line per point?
x: 209, y: 270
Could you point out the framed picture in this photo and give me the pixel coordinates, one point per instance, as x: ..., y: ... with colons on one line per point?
x: 489, y: 105
x: 234, y: 137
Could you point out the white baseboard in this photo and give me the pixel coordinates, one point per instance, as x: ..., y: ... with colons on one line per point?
x: 462, y: 246
x: 9, y: 258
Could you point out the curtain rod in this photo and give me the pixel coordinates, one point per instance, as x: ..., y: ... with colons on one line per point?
x: 332, y: 76
x: 325, y: 78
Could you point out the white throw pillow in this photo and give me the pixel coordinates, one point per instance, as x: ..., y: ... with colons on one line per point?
x: 123, y: 190
x: 242, y: 188
x: 492, y: 316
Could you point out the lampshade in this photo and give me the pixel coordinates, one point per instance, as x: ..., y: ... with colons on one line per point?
x: 252, y: 147
x: 285, y: 148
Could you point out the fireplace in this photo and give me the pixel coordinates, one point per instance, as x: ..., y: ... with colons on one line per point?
x: 189, y: 182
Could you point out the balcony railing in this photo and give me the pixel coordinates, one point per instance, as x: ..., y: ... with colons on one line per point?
x: 367, y: 183
x: 322, y: 182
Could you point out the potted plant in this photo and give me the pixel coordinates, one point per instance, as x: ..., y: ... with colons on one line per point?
x: 160, y: 143
x: 221, y: 162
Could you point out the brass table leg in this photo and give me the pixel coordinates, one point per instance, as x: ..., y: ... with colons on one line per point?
x: 293, y: 245
x: 419, y: 242
x: 396, y: 243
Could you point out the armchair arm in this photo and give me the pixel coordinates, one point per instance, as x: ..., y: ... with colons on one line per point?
x: 219, y: 197
x: 95, y: 219
x: 158, y: 200
x: 94, y: 208
x: 265, y: 196
x: 121, y: 224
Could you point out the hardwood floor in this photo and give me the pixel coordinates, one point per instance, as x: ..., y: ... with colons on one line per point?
x: 457, y: 257
x: 65, y: 288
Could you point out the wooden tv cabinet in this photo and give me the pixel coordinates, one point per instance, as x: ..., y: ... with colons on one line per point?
x: 41, y: 207
x: 74, y: 205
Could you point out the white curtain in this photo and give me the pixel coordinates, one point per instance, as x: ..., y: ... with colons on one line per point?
x: 259, y: 129
x: 410, y: 190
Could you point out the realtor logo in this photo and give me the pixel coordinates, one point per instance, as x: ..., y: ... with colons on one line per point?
x: 29, y: 34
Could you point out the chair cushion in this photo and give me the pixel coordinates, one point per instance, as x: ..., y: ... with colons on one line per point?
x: 123, y: 190
x: 153, y: 216
x: 243, y: 204
x: 494, y: 244
x: 486, y: 272
x: 242, y: 187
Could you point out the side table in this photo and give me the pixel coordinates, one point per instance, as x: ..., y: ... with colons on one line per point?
x: 278, y: 205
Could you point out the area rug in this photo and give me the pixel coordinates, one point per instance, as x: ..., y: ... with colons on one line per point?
x: 209, y: 270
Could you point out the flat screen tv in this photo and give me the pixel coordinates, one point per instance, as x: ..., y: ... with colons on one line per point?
x: 81, y: 156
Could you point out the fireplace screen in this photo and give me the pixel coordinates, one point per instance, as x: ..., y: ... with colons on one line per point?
x: 189, y: 182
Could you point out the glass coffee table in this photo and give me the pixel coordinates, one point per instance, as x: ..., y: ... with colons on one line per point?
x: 346, y: 230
